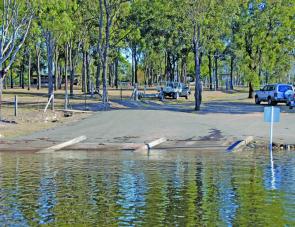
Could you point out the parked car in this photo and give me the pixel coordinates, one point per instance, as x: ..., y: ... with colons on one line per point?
x: 175, y: 90
x: 275, y: 93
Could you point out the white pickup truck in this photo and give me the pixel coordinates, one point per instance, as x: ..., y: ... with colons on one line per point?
x: 275, y: 93
x: 175, y: 90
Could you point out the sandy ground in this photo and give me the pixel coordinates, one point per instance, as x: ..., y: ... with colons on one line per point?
x: 30, y: 115
x: 231, y: 115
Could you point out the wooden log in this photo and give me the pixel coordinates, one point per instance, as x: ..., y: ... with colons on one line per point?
x: 156, y: 142
x: 148, y: 146
x: 63, y: 145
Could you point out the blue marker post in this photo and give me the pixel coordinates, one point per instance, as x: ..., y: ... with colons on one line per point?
x: 271, y: 115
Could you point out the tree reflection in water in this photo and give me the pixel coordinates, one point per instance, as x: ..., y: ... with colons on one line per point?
x: 167, y: 188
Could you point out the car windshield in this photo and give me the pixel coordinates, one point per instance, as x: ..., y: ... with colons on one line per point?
x: 284, y: 88
x: 173, y: 85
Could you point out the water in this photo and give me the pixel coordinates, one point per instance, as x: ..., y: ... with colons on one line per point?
x: 164, y: 189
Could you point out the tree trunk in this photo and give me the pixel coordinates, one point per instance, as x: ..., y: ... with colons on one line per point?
x: 110, y: 72
x: 38, y: 55
x: 196, y: 42
x: 132, y: 67
x: 98, y: 77
x: 166, y: 66
x: 11, y: 79
x: 184, y: 69
x: 60, y: 72
x: 105, y: 53
x: 216, y: 72
x: 84, y: 72
x: 20, y: 77
x: 29, y: 71
x: 88, y: 80
x: 23, y: 76
x: 56, y: 68
x: 251, y: 90
x: 116, y: 71
x: 210, y: 71
x: 66, y: 75
x: 135, y: 65
x: 231, y: 72
x: 99, y: 49
x: 50, y: 49
x: 72, y: 72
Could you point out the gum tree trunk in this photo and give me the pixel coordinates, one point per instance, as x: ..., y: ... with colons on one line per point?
x: 38, y: 55
x: 29, y: 72
x: 106, y: 49
x: 71, y: 65
x: 116, y: 72
x: 88, y: 80
x: 66, y: 75
x: 251, y: 90
x: 231, y: 72
x: 196, y: 42
x: 210, y: 71
x: 99, y: 49
x: 216, y: 72
x: 50, y: 49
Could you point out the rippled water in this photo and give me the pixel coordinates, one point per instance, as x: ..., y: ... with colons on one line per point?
x: 164, y: 189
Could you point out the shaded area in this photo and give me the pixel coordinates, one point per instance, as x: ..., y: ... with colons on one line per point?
x: 224, y: 107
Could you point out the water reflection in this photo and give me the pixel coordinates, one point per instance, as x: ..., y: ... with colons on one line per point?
x: 167, y: 188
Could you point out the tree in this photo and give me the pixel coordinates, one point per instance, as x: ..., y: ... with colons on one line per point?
x: 196, y: 11
x: 15, y: 25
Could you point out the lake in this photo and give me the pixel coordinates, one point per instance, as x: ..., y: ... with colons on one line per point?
x: 166, y: 188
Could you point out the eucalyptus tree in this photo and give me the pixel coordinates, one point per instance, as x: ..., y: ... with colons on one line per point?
x: 196, y: 13
x: 111, y: 9
x: 15, y: 24
x: 54, y: 17
x: 36, y: 40
x: 215, y: 28
x: 264, y: 39
x: 277, y: 33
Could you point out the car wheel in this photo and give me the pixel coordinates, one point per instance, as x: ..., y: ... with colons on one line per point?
x: 176, y: 95
x: 269, y: 102
x: 257, y: 101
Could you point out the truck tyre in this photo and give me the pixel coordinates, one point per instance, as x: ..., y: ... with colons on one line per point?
x: 257, y: 101
x: 269, y: 102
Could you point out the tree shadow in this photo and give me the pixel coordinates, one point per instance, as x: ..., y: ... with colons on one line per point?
x: 218, y: 107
